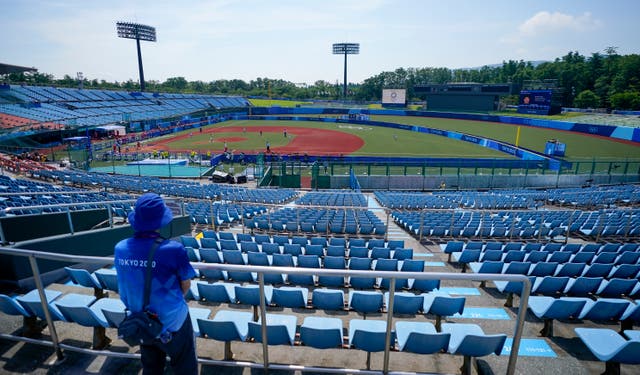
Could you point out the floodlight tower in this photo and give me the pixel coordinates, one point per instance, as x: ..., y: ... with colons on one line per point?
x: 138, y: 32
x: 346, y: 49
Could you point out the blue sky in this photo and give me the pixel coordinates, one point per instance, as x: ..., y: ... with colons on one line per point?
x: 291, y: 39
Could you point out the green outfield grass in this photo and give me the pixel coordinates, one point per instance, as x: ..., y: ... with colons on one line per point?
x: 276, y: 103
x: 578, y: 146
x: 378, y: 141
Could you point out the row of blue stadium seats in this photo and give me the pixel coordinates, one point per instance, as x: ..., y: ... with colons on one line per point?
x: 285, y: 239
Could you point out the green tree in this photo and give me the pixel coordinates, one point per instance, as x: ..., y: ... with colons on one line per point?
x: 587, y: 99
x: 626, y: 100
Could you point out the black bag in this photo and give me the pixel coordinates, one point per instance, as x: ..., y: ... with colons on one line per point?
x: 139, y: 328
x: 143, y: 326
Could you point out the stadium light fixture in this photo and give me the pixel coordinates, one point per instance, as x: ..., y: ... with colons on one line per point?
x: 128, y: 30
x: 346, y: 49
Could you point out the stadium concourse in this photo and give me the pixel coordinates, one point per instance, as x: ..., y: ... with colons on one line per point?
x: 450, y: 306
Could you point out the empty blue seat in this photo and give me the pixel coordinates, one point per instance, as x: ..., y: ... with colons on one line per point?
x: 570, y: 269
x: 365, y: 302
x: 328, y: 299
x: 492, y: 255
x: 514, y: 256
x: 425, y: 285
x: 319, y: 241
x: 549, y: 285
x: 281, y: 329
x: 466, y: 256
x: 402, y: 254
x: 190, y: 241
x: 602, y: 309
x: 321, y: 333
x: 388, y: 265
x: 358, y: 252
x: 31, y: 303
x: 293, y: 249
x: 217, y: 292
x: 357, y: 242
x: 333, y: 263
x: 441, y: 304
x: 249, y: 247
x: 314, y: 250
x: 361, y: 282
x: 368, y: 335
x: 336, y: 250
x: 420, y: 337
x: 625, y: 271
x: 549, y: 308
x: 470, y: 341
x: 616, y: 287
x: 226, y: 236
x: 582, y: 286
x: 250, y: 294
x: 380, y: 252
x: 226, y: 326
x: 405, y: 303
x: 375, y: 242
x: 83, y: 278
x: 293, y: 297
x: 609, y: 347
x: 305, y: 261
x: 228, y: 245
x: 209, y: 243
x: 486, y: 267
x: 209, y: 255
x: 542, y: 269
x: 270, y: 248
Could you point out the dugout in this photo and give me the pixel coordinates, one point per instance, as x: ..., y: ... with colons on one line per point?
x: 465, y: 97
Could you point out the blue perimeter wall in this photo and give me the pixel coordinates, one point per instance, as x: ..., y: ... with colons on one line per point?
x: 619, y: 132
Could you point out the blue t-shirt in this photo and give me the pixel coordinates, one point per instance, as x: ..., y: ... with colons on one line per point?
x: 171, y: 266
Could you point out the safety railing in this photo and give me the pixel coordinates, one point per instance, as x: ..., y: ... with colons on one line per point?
x: 33, y: 256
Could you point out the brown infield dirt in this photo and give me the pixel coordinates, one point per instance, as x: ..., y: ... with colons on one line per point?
x: 303, y: 140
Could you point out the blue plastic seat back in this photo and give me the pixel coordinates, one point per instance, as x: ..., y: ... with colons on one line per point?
x: 216, y: 293
x: 190, y: 241
x: 445, y: 305
x: 233, y: 257
x: 424, y: 285
x: 358, y: 252
x: 375, y: 242
x: 208, y: 255
x: 226, y: 236
x: 258, y: 259
x: 209, y: 243
x: 282, y: 260
x: 328, y: 299
x: 479, y: 346
x: 420, y: 337
x: 314, y: 250
x: 583, y: 286
x: 453, y: 246
x: 368, y: 336
x: 270, y: 248
x: 82, y: 277
x: 365, y: 302
x: 262, y: 238
x: 380, y: 252
x: 221, y: 331
x: 570, y: 269
x: 336, y: 250
x: 492, y: 255
x: 248, y: 247
x: 290, y: 297
x: 293, y: 249
x: 321, y: 333
x: 228, y: 245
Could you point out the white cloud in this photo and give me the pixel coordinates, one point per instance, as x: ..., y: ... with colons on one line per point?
x: 545, y: 22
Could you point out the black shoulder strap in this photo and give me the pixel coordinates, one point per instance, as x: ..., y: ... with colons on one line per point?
x: 147, y: 277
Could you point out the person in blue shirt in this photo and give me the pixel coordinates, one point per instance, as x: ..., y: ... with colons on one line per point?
x: 170, y: 281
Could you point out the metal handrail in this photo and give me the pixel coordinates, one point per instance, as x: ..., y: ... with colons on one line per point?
x: 261, y: 270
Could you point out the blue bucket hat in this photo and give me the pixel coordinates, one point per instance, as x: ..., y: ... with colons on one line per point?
x: 150, y: 213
